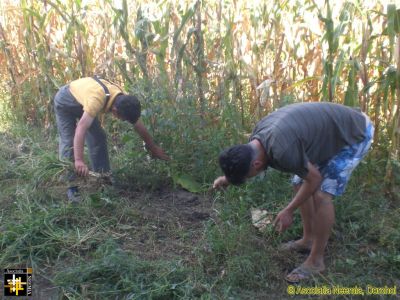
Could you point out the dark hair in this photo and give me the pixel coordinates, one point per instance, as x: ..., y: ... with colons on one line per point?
x: 128, y: 107
x: 235, y: 163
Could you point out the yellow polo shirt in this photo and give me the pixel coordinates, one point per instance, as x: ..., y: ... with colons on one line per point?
x: 91, y: 95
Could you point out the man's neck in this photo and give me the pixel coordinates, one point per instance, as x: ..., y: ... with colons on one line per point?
x: 261, y: 152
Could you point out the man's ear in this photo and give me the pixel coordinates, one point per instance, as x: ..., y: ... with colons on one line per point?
x: 258, y: 164
x: 114, y: 111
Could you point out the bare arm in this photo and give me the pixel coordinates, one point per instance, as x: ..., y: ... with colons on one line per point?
x: 79, y: 140
x: 150, y: 145
x: 143, y: 133
x: 310, y: 183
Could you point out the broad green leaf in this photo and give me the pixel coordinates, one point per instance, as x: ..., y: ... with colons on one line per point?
x: 187, y: 182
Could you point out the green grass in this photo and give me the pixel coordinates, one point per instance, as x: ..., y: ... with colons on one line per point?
x: 136, y: 242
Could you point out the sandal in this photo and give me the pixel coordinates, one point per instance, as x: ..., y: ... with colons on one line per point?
x: 300, y: 274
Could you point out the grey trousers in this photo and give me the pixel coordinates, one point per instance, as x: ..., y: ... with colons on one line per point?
x: 68, y: 111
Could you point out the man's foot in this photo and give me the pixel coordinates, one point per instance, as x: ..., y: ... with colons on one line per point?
x: 297, y: 246
x: 73, y: 194
x: 301, y: 274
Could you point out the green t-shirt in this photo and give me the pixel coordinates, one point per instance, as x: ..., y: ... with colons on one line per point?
x: 312, y: 132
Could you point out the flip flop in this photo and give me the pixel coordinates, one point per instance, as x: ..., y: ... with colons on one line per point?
x: 300, y: 274
x: 73, y: 194
x: 293, y: 246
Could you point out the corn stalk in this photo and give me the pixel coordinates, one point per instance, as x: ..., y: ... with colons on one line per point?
x: 393, y: 30
x: 200, y: 65
x: 214, y: 53
x: 332, y: 36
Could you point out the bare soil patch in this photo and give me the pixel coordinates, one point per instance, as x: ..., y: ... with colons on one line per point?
x: 169, y: 223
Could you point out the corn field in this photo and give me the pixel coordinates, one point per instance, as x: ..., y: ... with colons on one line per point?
x: 254, y: 56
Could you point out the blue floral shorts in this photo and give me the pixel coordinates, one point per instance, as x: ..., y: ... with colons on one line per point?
x: 336, y: 172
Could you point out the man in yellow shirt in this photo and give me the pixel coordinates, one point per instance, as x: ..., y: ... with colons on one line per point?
x: 78, y: 106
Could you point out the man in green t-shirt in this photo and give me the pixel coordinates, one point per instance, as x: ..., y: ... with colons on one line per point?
x: 321, y: 143
x: 78, y: 106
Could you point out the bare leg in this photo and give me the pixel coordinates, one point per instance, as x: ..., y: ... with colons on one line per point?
x: 307, y: 215
x: 322, y: 222
x: 324, y: 219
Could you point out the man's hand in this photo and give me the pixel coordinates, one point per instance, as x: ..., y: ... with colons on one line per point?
x: 81, y: 168
x: 310, y: 184
x: 157, y: 152
x: 283, y: 220
x: 220, y: 182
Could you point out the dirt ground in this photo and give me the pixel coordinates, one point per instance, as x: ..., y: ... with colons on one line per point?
x: 171, y: 223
